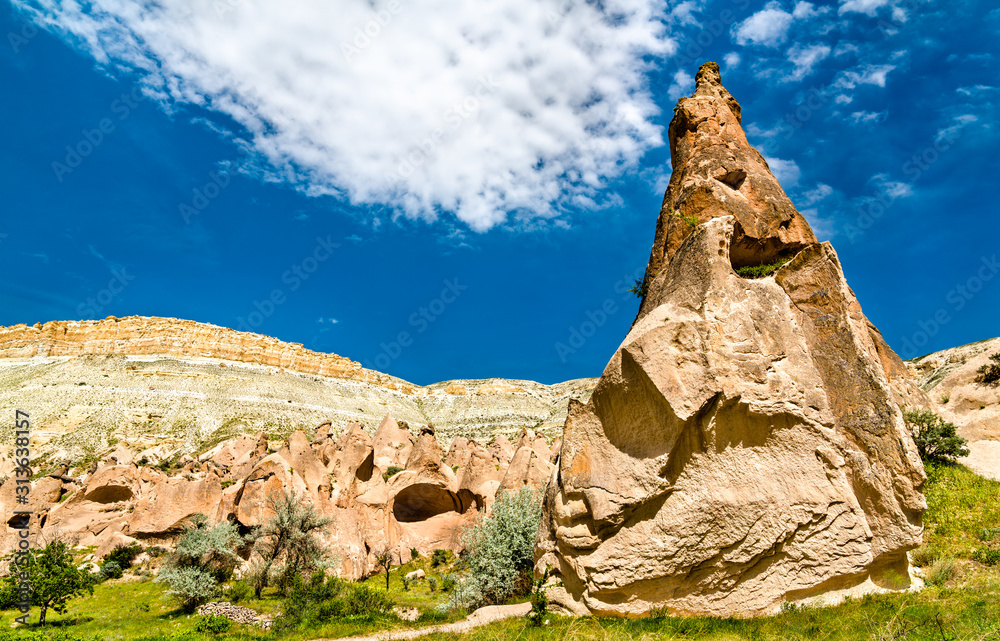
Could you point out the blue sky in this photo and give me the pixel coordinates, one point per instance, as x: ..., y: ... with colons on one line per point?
x: 466, y: 191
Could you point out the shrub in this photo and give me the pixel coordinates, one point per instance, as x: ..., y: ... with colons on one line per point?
x: 936, y: 439
x: 321, y: 599
x: 156, y: 551
x: 406, y: 583
x: 432, y: 583
x: 448, y: 583
x: 123, y: 554
x: 989, y: 374
x: 539, y: 599
x: 639, y: 289
x: 987, y: 556
x: 111, y: 570
x: 286, y: 542
x: 204, y: 557
x: 501, y: 546
x: 239, y: 591
x: 392, y: 471
x: 439, y: 557
x: 942, y: 570
x: 760, y: 271
x: 923, y: 556
x: 690, y: 221
x: 213, y: 624
x: 414, y: 554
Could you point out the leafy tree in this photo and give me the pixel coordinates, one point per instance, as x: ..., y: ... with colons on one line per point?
x: 204, y: 557
x: 53, y: 577
x: 501, y: 546
x: 286, y: 543
x: 936, y: 439
x: 989, y: 374
x: 123, y: 554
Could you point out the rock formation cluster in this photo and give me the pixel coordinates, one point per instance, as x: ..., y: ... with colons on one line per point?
x: 745, y: 445
x: 396, y: 487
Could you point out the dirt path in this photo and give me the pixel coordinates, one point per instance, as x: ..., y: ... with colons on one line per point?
x: 480, y: 617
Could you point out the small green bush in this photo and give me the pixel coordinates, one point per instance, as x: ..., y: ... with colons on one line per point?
x: 942, y: 570
x: 432, y: 583
x: 923, y: 556
x: 639, y: 289
x: 448, y: 583
x: 987, y: 556
x: 539, y: 600
x: 414, y: 554
x: 989, y: 374
x: 760, y: 271
x: 213, y: 624
x: 440, y: 557
x: 111, y: 570
x: 935, y: 438
x: 392, y: 471
x: 239, y: 591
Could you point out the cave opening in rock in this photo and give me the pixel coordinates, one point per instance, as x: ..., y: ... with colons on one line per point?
x: 759, y: 257
x: 733, y: 179
x: 366, y: 469
x: 422, y: 501
x: 109, y: 494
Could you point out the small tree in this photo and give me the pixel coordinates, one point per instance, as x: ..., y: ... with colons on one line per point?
x: 287, y: 543
x: 204, y: 557
x: 383, y: 558
x: 936, y: 439
x: 501, y: 546
x: 54, y: 578
x: 989, y: 374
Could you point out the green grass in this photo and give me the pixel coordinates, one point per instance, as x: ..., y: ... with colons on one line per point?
x: 760, y: 271
x: 964, y: 603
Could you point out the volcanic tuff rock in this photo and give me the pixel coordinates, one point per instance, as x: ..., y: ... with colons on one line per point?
x: 180, y: 385
x: 949, y: 377
x: 422, y: 507
x: 745, y: 445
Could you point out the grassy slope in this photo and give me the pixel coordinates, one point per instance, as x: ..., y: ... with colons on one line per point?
x: 965, y: 607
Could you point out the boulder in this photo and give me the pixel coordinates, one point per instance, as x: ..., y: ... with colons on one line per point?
x: 744, y: 446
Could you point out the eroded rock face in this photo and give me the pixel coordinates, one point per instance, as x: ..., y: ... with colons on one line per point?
x: 423, y: 506
x: 745, y: 445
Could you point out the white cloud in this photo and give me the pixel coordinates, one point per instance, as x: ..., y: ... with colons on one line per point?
x: 683, y: 13
x: 732, y: 60
x: 815, y: 195
x: 804, y: 10
x: 786, y: 171
x: 328, y: 321
x: 682, y: 85
x: 805, y: 58
x: 867, y: 7
x: 480, y: 109
x: 893, y: 189
x: 975, y: 90
x: 866, y: 75
x: 822, y: 226
x: 767, y: 27
x: 843, y: 99
x: 869, y: 117
x: 949, y: 134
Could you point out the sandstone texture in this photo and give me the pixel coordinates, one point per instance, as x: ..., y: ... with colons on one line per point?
x: 159, y: 385
x: 949, y: 377
x: 391, y: 488
x: 745, y: 445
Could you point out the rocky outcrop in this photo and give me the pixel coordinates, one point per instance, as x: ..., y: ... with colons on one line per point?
x: 422, y: 505
x: 744, y: 446
x: 162, y: 385
x: 949, y: 377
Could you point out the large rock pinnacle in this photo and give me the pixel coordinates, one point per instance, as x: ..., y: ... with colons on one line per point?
x: 745, y: 445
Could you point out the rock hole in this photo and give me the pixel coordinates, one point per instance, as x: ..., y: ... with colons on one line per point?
x: 366, y: 469
x: 759, y: 257
x: 733, y: 179
x: 422, y: 501
x: 109, y: 494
